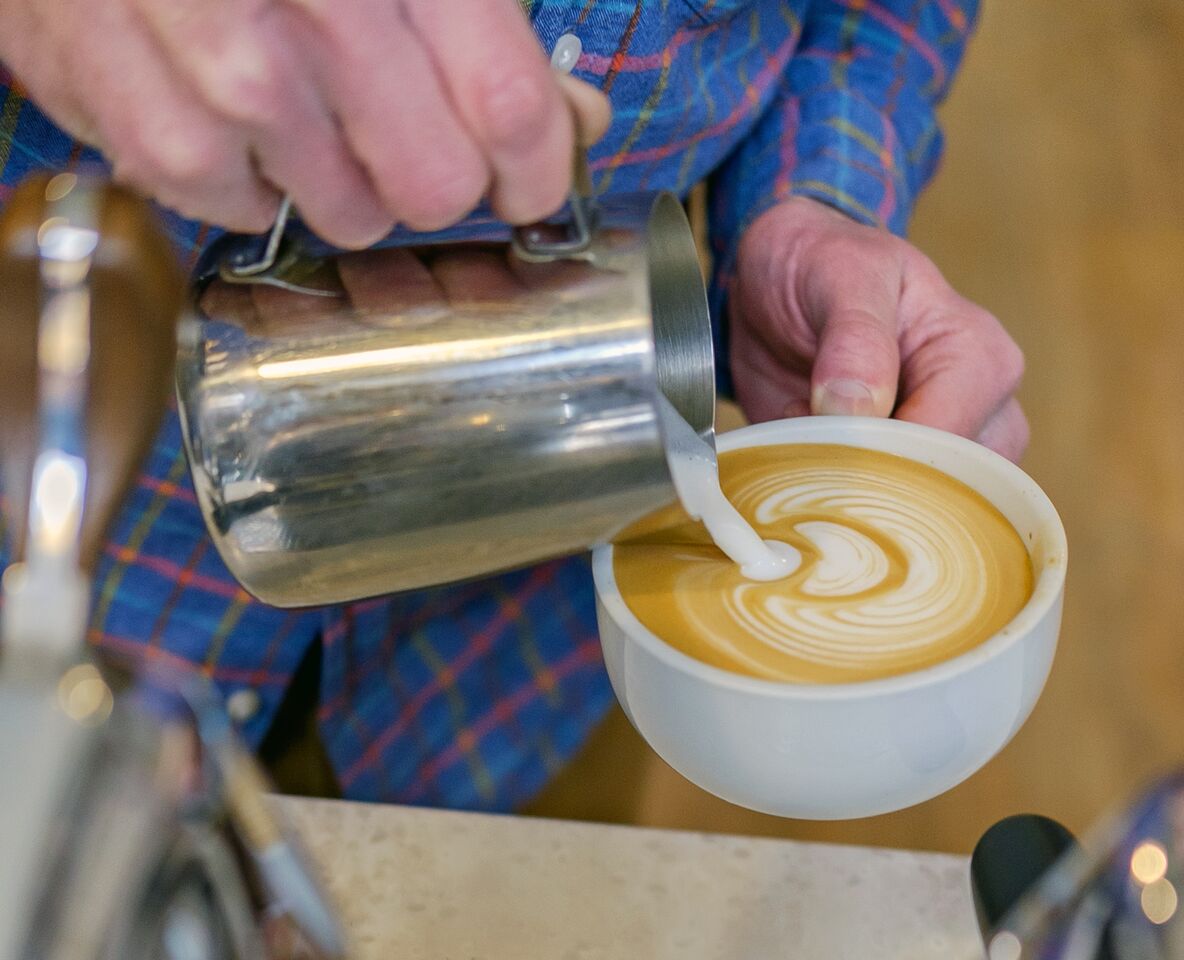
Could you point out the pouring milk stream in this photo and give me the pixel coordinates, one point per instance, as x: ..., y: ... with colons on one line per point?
x: 695, y: 472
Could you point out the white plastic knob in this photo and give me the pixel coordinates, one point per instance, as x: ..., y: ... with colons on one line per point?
x: 566, y: 52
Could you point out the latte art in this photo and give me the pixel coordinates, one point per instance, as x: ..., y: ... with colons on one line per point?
x: 902, y: 567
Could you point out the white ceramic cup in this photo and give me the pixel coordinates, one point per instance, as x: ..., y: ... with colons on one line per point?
x: 834, y: 751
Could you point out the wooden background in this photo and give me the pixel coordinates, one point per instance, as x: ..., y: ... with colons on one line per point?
x: 1060, y: 207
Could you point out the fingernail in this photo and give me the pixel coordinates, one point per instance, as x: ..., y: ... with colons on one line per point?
x: 844, y: 398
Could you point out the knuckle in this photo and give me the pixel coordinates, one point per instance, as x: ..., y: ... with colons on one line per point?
x: 183, y: 158
x: 242, y: 211
x: 153, y: 151
x: 513, y: 105
x: 832, y: 253
x: 552, y: 199
x: 1012, y: 356
x: 537, y: 198
x: 841, y: 256
x: 440, y: 197
x: 1012, y: 362
x: 866, y: 341
x: 861, y: 326
x: 188, y: 174
x: 1007, y: 355
x: 244, y: 86
x: 348, y: 222
x: 130, y: 151
x: 127, y: 169
x: 136, y: 165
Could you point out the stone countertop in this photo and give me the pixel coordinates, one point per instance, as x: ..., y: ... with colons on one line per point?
x: 417, y: 884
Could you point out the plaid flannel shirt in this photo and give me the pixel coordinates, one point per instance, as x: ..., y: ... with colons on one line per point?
x: 473, y: 696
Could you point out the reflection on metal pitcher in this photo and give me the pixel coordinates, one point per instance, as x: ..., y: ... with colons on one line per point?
x: 447, y: 411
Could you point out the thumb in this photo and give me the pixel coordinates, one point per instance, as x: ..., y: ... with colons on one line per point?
x: 590, y: 107
x: 857, y: 363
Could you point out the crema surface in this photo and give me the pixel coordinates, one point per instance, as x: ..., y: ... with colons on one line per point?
x: 902, y: 567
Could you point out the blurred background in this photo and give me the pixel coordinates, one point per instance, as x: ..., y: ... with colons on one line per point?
x: 1060, y: 207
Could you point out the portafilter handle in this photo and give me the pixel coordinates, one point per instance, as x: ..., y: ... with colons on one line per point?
x: 91, y: 297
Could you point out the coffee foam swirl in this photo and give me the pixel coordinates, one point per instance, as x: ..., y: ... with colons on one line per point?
x: 902, y: 567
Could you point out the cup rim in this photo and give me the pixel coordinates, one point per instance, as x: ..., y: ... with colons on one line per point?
x: 1046, y: 591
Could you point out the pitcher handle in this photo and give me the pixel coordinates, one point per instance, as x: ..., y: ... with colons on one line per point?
x: 266, y: 263
x: 534, y: 242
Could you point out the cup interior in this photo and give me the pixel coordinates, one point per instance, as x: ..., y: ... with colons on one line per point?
x: 1002, y: 483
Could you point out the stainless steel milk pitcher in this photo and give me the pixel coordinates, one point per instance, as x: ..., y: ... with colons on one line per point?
x: 365, y: 423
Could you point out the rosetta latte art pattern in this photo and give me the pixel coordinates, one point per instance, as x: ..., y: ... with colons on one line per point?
x: 902, y: 567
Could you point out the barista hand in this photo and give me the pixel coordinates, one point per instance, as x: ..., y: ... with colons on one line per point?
x: 366, y: 111
x: 832, y: 317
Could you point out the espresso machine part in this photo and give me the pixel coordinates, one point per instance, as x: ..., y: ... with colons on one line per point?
x: 1042, y: 895
x: 133, y: 823
x: 1009, y: 860
x: 428, y: 411
x: 55, y: 273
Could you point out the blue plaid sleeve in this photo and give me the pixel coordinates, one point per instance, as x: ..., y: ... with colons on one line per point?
x: 853, y: 122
